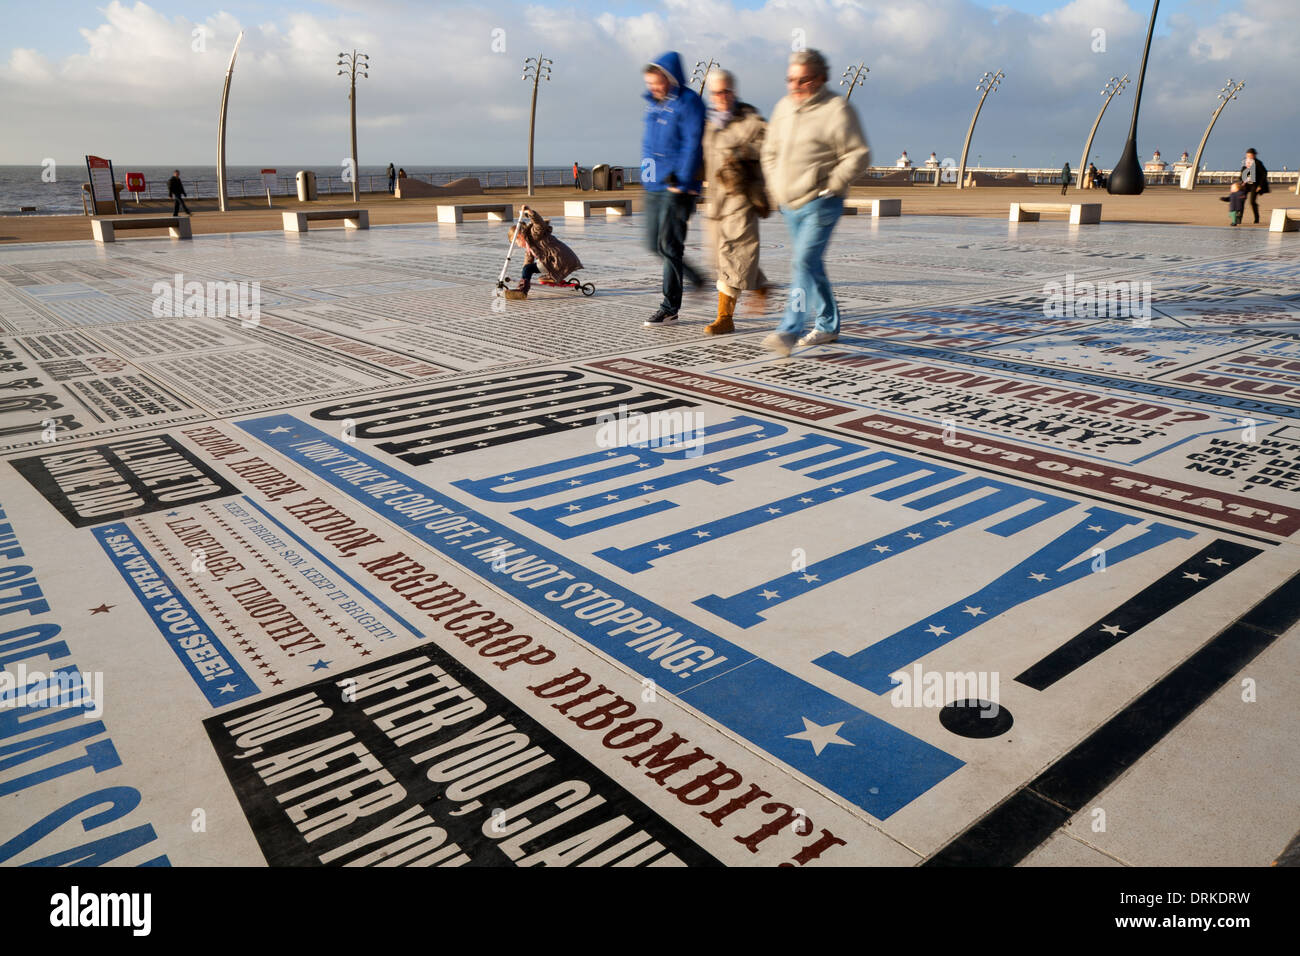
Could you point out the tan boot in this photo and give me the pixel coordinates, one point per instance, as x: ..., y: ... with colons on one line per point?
x: 723, y: 324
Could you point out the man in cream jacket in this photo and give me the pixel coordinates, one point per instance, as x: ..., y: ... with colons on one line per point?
x: 813, y: 151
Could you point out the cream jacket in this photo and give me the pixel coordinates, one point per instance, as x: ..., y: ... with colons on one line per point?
x: 813, y: 146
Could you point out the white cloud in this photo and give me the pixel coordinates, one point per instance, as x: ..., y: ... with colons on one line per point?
x: 437, y: 93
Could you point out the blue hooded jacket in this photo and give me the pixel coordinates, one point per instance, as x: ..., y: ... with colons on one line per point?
x: 672, y: 150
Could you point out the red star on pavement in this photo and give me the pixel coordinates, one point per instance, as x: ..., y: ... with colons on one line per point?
x: 102, y: 609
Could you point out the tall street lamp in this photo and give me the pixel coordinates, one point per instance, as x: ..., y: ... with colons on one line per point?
x: 987, y: 84
x: 221, y: 128
x: 350, y: 62
x: 853, y: 82
x: 1114, y: 87
x: 1229, y: 92
x: 536, y: 68
x: 701, y: 73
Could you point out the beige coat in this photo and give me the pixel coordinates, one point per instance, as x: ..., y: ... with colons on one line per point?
x: 730, y: 221
x: 813, y: 146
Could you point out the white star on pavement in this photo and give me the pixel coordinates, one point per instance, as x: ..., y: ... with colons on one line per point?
x: 227, y: 688
x: 938, y: 630
x: 774, y: 511
x: 820, y: 737
x: 806, y: 501
x: 882, y: 548
x: 647, y: 487
x: 1217, y: 562
x: 1113, y: 630
x: 771, y: 594
x: 1192, y: 577
x: 575, y: 507
x: 944, y: 524
x: 272, y: 431
x: 810, y: 578
x: 702, y: 534
x: 1097, y: 528
x: 1037, y: 576
x: 575, y: 481
x: 715, y: 470
x: 973, y: 611
x: 914, y: 535
x: 663, y: 547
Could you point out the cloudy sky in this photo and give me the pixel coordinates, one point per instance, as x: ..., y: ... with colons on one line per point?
x: 141, y: 83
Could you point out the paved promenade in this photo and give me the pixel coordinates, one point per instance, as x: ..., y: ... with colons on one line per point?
x: 373, y: 567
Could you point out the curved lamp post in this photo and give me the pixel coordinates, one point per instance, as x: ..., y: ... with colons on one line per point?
x: 701, y: 73
x: 853, y: 82
x: 987, y: 84
x: 1114, y: 87
x: 350, y: 62
x: 536, y: 68
x: 1229, y: 92
x: 221, y: 128
x: 1126, y: 178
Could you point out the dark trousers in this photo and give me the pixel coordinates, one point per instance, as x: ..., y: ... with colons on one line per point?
x: 530, y: 270
x: 178, y: 205
x: 666, y: 217
x: 1252, y: 193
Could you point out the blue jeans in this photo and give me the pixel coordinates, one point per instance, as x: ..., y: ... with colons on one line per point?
x: 810, y: 290
x: 666, y: 216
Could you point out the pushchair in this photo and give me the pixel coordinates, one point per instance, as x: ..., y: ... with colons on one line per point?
x: 586, y: 288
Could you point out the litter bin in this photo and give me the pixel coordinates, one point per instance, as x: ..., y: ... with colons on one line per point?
x: 306, y: 185
x: 584, y: 178
x: 600, y: 176
x: 616, y: 177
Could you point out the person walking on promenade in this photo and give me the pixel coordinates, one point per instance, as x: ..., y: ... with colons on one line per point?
x: 737, y: 196
x: 392, y: 178
x: 576, y: 183
x: 176, y: 189
x: 1065, y: 178
x: 1255, y: 178
x: 672, y: 162
x: 813, y: 151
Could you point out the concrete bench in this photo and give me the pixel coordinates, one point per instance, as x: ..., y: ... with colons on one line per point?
x: 103, y: 227
x: 352, y: 218
x: 1285, y: 220
x: 878, y: 207
x: 581, y: 208
x: 1079, y: 212
x: 494, y: 210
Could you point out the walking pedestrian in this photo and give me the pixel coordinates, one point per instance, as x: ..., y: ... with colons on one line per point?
x: 1255, y: 181
x: 576, y: 183
x: 392, y: 178
x: 672, y: 162
x: 176, y: 189
x: 813, y: 151
x: 1065, y: 178
x: 733, y: 137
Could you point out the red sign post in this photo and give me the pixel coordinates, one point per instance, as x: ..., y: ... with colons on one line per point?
x: 135, y: 184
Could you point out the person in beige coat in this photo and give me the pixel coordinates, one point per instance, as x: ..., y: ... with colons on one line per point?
x: 737, y: 197
x: 813, y: 151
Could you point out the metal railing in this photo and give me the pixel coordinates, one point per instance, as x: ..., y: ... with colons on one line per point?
x: 369, y: 183
x: 925, y: 175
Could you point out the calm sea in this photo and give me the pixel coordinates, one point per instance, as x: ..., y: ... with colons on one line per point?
x: 25, y: 186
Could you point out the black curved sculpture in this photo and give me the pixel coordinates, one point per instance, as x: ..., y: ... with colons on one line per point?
x: 1126, y: 178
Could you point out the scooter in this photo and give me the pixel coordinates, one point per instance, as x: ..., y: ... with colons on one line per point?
x: 503, y: 281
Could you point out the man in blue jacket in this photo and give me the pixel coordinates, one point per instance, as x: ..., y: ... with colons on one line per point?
x: 672, y: 162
